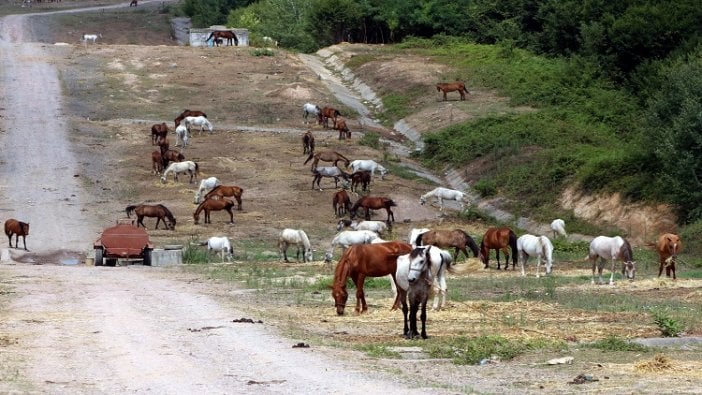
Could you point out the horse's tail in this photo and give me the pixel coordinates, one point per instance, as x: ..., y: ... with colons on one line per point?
x: 209, y: 37
x: 309, y: 158
x: 197, y: 167
x: 513, y: 246
x: 129, y: 209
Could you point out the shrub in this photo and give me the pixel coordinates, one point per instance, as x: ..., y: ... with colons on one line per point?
x: 668, y: 326
x: 615, y: 343
x: 370, y: 139
x: 485, y: 187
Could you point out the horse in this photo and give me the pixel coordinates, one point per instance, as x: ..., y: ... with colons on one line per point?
x: 361, y: 261
x: 347, y: 238
x: 327, y: 156
x: 558, y: 227
x: 312, y: 109
x: 378, y: 227
x: 214, y: 205
x: 170, y: 155
x: 374, y: 203
x: 307, y: 143
x: 445, y: 238
x: 158, y: 130
x: 133, y: 3
x: 453, y: 86
x: 188, y: 113
x: 329, y: 113
x: 414, y: 233
x: 156, y: 162
x: 362, y: 177
x: 158, y: 211
x: 225, y: 34
x: 344, y: 131
x: 341, y: 203
x: 367, y: 165
x: 17, y: 228
x: 91, y: 37
x: 668, y: 246
x: 499, y: 239
x: 181, y: 167
x: 200, y: 121
x: 299, y: 238
x: 329, y: 171
x: 221, y: 191
x: 612, y: 248
x: 219, y: 243
x: 539, y: 246
x: 440, y: 194
x: 181, y: 132
x: 207, y: 183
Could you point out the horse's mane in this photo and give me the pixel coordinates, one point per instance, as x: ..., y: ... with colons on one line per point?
x: 470, y: 242
x: 626, y: 250
x: 341, y: 274
x: 305, y: 239
x: 167, y: 211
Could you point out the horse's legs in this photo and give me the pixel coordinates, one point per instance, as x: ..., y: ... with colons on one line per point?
x: 24, y: 241
x: 402, y: 294
x: 284, y: 248
x: 423, y: 316
x: 361, y: 306
x: 9, y: 236
x: 611, y: 276
x: 158, y: 220
x: 140, y: 221
x: 231, y: 216
x: 414, y: 307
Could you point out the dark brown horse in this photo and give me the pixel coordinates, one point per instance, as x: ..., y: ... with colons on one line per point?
x: 17, y: 228
x: 453, y: 86
x: 157, y: 162
x: 327, y: 156
x: 188, y: 113
x: 445, y: 238
x: 221, y: 191
x: 214, y: 205
x: 307, y: 143
x: 344, y: 131
x: 158, y: 131
x: 341, y: 203
x: 327, y: 114
x: 499, y: 239
x: 362, y: 177
x: 374, y: 203
x: 158, y: 211
x: 224, y: 34
x: 169, y: 156
x: 361, y: 261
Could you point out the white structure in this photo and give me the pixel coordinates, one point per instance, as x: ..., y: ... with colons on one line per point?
x: 198, y: 37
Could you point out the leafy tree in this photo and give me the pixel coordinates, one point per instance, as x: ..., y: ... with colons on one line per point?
x: 330, y: 21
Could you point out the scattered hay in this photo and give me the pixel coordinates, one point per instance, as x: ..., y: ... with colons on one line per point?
x: 658, y: 363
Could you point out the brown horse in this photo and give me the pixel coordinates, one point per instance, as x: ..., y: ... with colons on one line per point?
x: 214, y: 205
x: 341, y: 203
x: 361, y: 261
x: 188, y: 113
x: 444, y: 238
x: 221, y: 191
x: 17, y: 228
x: 453, y: 86
x: 327, y: 114
x: 668, y: 246
x: 362, y: 177
x: 327, y: 156
x: 158, y: 211
x: 307, y: 143
x: 171, y: 156
x: 374, y: 203
x: 223, y: 34
x: 163, y: 145
x: 156, y: 162
x: 499, y: 239
x: 158, y: 131
x: 340, y: 125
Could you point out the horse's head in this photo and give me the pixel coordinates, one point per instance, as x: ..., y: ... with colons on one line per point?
x: 196, y: 217
x: 309, y: 255
x: 422, y: 200
x: 172, y: 222
x: 629, y: 270
x: 340, y: 297
x: 418, y: 263
x: 484, y: 254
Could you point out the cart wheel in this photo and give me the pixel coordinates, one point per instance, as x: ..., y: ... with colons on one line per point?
x: 98, y: 257
x: 147, y: 256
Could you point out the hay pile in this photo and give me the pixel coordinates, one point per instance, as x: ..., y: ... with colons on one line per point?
x: 659, y: 363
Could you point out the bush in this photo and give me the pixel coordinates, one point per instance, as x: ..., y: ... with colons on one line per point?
x: 668, y: 326
x: 485, y: 188
x: 614, y: 343
x: 370, y: 139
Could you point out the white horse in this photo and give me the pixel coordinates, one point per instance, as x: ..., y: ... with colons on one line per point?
x: 539, y: 246
x: 221, y: 244
x: 199, y: 121
x: 207, y: 183
x: 367, y: 165
x: 311, y: 109
x: 439, y: 260
x: 348, y: 238
x: 299, y: 238
x: 558, y: 227
x: 378, y: 227
x: 181, y: 167
x: 414, y: 233
x: 182, y: 135
x: 328, y: 171
x: 604, y: 248
x: 91, y: 37
x: 441, y: 193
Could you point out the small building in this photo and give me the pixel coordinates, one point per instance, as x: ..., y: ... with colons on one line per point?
x: 198, y: 37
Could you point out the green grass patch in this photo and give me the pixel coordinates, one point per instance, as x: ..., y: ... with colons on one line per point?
x: 378, y: 351
x: 615, y: 343
x: 471, y: 351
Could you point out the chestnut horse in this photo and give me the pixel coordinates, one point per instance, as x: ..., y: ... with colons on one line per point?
x: 453, y: 86
x: 17, y: 228
x: 158, y: 130
x: 499, y: 239
x: 329, y: 113
x: 668, y: 247
x: 156, y: 162
x: 188, y: 113
x: 158, y: 211
x: 374, y: 203
x: 445, y: 238
x: 307, y: 143
x: 341, y: 203
x: 361, y: 261
x: 221, y: 191
x: 344, y: 132
x: 214, y: 205
x: 170, y: 155
x: 223, y: 34
x: 327, y: 156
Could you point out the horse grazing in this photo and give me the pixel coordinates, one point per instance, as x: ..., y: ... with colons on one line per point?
x: 374, y: 203
x: 300, y: 239
x: 312, y: 109
x: 367, y: 165
x: 17, y: 228
x: 188, y: 113
x: 158, y: 211
x: 170, y: 155
x: 539, y: 246
x: 440, y: 194
x: 307, y: 143
x: 158, y: 130
x: 558, y: 227
x: 181, y: 167
x: 326, y: 156
x: 214, y: 205
x: 221, y: 244
x: 615, y: 248
x: 348, y: 238
x: 344, y: 131
x: 499, y: 239
x: 361, y: 261
x: 329, y: 171
x: 199, y: 121
x: 341, y: 203
x: 453, y: 86
x: 668, y: 247
x: 378, y: 227
x: 207, y: 183
x: 363, y: 178
x: 329, y: 113
x: 156, y: 162
x: 445, y: 238
x: 182, y: 135
x: 224, y: 34
x: 222, y: 191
